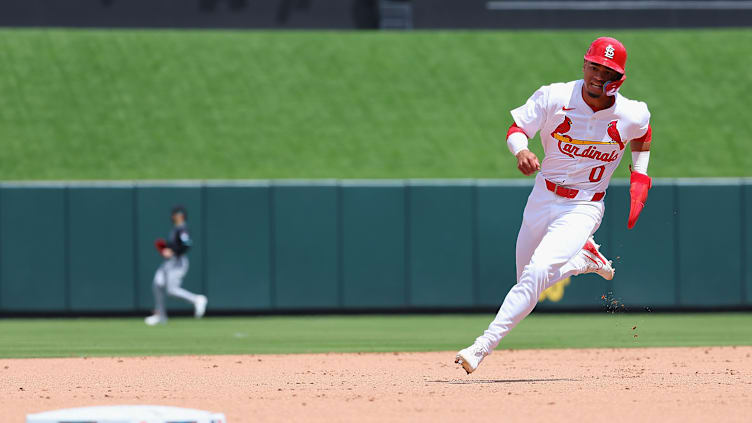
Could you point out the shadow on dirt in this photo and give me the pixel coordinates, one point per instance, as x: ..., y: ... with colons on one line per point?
x: 476, y: 381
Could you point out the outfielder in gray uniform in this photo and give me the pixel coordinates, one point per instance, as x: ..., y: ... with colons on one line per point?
x: 173, y: 269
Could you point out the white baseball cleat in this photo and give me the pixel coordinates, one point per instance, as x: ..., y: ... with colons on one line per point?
x: 154, y: 320
x: 596, y: 262
x: 200, y: 306
x: 470, y: 357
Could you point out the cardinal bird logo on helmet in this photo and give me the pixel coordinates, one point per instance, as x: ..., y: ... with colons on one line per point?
x: 614, y: 134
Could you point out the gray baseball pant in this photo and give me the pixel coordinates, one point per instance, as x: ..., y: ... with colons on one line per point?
x: 168, y: 279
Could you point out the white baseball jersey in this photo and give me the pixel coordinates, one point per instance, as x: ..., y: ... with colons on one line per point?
x: 582, y: 148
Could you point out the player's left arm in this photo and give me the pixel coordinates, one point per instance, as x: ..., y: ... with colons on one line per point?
x: 640, y: 182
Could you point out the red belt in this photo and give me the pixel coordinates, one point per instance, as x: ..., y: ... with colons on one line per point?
x: 569, y: 192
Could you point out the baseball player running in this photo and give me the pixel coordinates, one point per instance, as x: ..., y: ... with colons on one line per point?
x: 585, y: 126
x: 173, y: 269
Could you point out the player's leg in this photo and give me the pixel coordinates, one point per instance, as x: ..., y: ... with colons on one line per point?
x: 158, y: 288
x: 563, y: 240
x: 528, y: 239
x: 535, y: 221
x: 535, y: 224
x: 175, y: 275
x: 588, y: 260
x: 176, y: 271
x: 585, y: 261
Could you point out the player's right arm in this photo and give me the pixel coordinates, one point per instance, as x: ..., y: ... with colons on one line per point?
x: 527, y: 161
x: 528, y: 119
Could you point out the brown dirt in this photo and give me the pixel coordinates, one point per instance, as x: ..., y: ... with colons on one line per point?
x: 670, y: 384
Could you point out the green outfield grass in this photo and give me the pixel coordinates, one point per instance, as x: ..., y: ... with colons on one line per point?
x: 279, y: 335
x: 157, y: 104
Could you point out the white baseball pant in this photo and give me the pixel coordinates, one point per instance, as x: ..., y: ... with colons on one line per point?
x: 554, y: 229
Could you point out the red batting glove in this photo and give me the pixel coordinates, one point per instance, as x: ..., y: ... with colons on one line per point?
x: 639, y: 184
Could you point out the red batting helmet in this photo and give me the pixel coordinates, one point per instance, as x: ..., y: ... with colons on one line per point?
x: 610, y: 53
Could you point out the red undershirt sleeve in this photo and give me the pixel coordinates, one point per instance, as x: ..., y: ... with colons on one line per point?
x: 645, y: 138
x: 514, y: 128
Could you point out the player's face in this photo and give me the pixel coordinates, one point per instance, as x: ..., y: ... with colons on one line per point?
x: 178, y: 218
x: 596, y: 76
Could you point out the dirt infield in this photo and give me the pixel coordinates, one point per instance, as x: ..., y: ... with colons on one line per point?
x: 670, y: 384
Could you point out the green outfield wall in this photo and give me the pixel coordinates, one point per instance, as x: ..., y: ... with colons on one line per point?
x: 359, y: 245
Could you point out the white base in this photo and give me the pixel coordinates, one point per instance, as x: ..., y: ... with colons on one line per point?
x: 127, y: 414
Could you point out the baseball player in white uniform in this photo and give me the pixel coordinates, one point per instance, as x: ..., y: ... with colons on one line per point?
x: 585, y: 126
